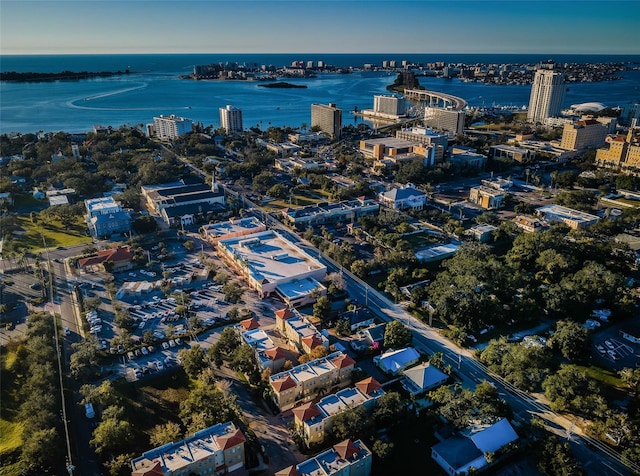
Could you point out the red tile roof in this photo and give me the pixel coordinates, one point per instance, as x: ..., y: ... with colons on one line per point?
x: 230, y: 441
x: 250, y: 324
x: 283, y: 384
x: 284, y: 313
x: 346, y: 449
x: 368, y: 385
x: 343, y: 361
x: 275, y: 353
x: 312, y: 341
x: 155, y: 470
x: 306, y: 411
x: 119, y: 253
x: 290, y: 471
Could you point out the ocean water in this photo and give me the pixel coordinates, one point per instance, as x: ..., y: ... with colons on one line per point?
x: 154, y: 88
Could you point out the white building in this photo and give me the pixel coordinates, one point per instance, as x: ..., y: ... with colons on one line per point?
x: 390, y: 107
x: 231, y: 119
x: 402, y: 198
x: 448, y: 120
x: 171, y: 127
x: 547, y: 93
x: 572, y: 218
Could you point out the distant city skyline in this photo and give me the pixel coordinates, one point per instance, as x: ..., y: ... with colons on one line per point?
x: 308, y: 26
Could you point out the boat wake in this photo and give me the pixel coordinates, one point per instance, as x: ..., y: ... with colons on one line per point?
x: 81, y: 103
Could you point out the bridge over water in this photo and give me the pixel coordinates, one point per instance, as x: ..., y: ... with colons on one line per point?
x: 436, y: 99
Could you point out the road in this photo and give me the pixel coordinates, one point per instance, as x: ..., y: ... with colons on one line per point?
x: 596, y: 457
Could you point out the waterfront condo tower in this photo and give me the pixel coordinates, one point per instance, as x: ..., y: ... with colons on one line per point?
x: 231, y: 119
x: 390, y: 105
x: 328, y: 118
x: 547, y: 93
x: 171, y: 127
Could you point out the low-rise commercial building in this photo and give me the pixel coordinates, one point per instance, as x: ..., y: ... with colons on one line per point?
x: 233, y: 228
x: 509, y: 152
x: 466, y: 157
x: 488, y: 198
x: 530, y: 224
x: 272, y: 264
x: 347, y: 458
x: 348, y: 211
x: 218, y: 449
x: 572, y: 218
x: 303, y: 382
x: 403, y: 198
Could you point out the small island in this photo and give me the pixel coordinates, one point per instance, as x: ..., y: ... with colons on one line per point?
x: 29, y: 77
x: 282, y: 85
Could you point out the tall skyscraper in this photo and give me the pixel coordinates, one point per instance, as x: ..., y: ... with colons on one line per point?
x: 328, y: 118
x: 547, y: 93
x: 231, y: 119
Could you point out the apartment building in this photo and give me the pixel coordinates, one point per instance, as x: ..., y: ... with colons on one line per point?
x: 622, y: 153
x: 448, y: 120
x: 171, y: 127
x: 347, y: 458
x: 546, y: 97
x: 105, y: 217
x: 231, y: 119
x: 314, y: 420
x: 328, y: 118
x: 303, y: 382
x: 297, y: 330
x: 218, y: 449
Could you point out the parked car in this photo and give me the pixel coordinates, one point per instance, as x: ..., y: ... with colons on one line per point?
x: 165, y: 346
x: 144, y: 351
x: 172, y: 343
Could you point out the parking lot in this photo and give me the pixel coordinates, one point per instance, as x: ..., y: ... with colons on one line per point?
x: 614, y: 350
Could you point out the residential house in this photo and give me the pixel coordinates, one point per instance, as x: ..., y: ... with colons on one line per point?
x: 359, y: 317
x: 395, y: 361
x: 422, y: 378
x: 304, y: 382
x: 471, y: 449
x: 347, y: 458
x: 216, y: 450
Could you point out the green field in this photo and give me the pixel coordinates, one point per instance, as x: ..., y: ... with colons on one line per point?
x: 30, y: 235
x: 10, y: 428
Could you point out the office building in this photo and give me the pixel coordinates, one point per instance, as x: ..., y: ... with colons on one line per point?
x: 171, y: 127
x: 105, y: 217
x: 622, y: 153
x: 328, y: 118
x: 584, y: 134
x: 547, y: 93
x: 574, y: 219
x: 218, y: 449
x: 231, y: 119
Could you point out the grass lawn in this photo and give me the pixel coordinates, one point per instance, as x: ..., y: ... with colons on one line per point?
x: 297, y: 201
x: 30, y: 234
x: 10, y: 428
x: 420, y: 240
x: 605, y: 377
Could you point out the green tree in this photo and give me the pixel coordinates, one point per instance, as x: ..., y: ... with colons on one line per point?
x: 205, y: 406
x: 572, y: 340
x: 232, y: 291
x: 396, y: 335
x: 193, y: 360
x: 343, y: 327
x: 352, y: 423
x: 166, y: 433
x: 571, y: 389
x: 84, y: 360
x: 40, y: 451
x: 322, y: 308
x: 244, y: 360
x: 113, y: 433
x: 389, y: 410
x: 556, y: 458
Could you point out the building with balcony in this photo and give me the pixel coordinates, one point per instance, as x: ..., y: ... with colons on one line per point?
x: 218, y: 449
x: 171, y: 127
x: 231, y: 119
x: 448, y: 120
x: 303, y: 382
x: 328, y: 118
x: 622, y: 152
x: 546, y: 97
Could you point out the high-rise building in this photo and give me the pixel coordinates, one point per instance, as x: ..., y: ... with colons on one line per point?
x: 547, y: 93
x: 389, y: 105
x: 231, y: 119
x: 328, y: 118
x: 448, y: 120
x: 172, y: 127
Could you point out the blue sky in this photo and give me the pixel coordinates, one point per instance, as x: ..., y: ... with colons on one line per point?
x: 330, y: 26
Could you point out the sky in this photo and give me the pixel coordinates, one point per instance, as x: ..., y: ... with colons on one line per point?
x: 309, y: 26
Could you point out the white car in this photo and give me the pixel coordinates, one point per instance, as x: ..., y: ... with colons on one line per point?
x: 165, y: 346
x: 609, y: 344
x: 145, y: 351
x: 172, y: 343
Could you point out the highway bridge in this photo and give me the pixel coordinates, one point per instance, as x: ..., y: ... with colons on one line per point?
x: 436, y: 99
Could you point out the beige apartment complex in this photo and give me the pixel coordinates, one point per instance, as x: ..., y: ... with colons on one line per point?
x: 584, y: 134
x: 622, y: 153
